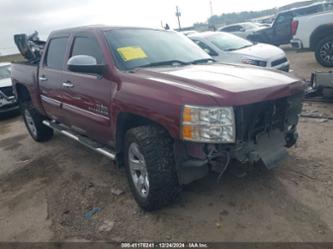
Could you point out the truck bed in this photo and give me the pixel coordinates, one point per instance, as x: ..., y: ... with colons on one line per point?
x: 26, y: 74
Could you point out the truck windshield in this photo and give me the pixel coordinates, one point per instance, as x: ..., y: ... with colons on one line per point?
x: 4, y: 72
x: 132, y: 48
x: 228, y: 42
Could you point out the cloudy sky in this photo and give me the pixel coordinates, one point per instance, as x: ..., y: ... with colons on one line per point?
x: 26, y: 16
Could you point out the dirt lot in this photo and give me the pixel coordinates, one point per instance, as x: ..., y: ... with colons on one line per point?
x: 46, y: 190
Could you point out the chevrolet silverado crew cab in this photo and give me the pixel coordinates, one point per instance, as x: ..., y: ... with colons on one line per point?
x: 155, y: 102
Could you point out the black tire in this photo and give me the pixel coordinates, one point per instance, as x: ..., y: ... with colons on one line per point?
x: 41, y: 133
x: 156, y: 146
x: 320, y: 50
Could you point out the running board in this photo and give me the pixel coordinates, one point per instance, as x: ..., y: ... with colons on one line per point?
x: 82, y: 140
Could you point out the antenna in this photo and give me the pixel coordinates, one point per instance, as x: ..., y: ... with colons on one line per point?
x: 178, y: 15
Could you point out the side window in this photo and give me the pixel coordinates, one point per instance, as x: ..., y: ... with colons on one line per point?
x: 280, y: 19
x: 235, y: 28
x: 284, y: 19
x: 205, y: 47
x: 227, y: 29
x: 56, y: 51
x: 231, y: 29
x: 87, y: 46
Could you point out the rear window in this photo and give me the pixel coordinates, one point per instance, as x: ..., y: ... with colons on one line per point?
x: 309, y: 10
x: 87, y: 46
x: 56, y: 53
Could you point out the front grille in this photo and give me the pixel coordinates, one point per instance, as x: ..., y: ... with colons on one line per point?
x: 7, y: 91
x: 260, y: 117
x: 279, y: 61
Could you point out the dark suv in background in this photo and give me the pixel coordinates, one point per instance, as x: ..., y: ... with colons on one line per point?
x: 282, y: 30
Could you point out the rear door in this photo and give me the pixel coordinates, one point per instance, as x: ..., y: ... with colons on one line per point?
x: 282, y: 29
x: 86, y: 97
x: 51, y: 77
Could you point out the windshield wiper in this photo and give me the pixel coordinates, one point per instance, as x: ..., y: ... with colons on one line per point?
x: 247, y: 46
x: 165, y: 63
x: 202, y: 61
x: 233, y: 49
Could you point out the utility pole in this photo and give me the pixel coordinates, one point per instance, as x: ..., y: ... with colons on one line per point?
x: 178, y: 15
x: 211, y: 8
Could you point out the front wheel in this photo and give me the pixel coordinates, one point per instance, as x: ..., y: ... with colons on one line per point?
x: 34, y: 123
x: 324, y: 52
x: 150, y: 167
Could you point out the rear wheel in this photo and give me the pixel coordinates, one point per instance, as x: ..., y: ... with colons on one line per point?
x: 34, y: 123
x: 324, y: 52
x: 150, y: 167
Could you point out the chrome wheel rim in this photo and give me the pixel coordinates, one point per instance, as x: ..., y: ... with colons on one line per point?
x: 326, y: 52
x: 30, y: 123
x: 138, y: 170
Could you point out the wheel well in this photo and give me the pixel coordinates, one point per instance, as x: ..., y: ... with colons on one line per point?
x: 22, y: 93
x: 320, y: 33
x: 126, y: 121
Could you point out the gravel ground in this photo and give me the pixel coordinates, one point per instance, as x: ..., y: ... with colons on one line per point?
x: 47, y: 189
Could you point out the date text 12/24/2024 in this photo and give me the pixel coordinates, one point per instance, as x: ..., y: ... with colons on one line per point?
x: 164, y: 245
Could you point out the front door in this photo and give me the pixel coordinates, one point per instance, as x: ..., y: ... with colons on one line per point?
x: 86, y: 97
x: 282, y: 29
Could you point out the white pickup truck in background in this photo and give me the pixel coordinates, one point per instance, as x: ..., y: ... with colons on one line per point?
x: 315, y: 33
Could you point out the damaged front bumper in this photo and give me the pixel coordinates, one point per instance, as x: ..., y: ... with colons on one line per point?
x: 7, y: 103
x: 263, y: 130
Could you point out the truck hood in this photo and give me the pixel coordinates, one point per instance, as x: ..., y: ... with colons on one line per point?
x: 5, y: 82
x: 228, y: 84
x: 261, y: 51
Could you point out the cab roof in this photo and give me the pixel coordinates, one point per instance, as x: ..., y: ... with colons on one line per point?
x: 98, y: 27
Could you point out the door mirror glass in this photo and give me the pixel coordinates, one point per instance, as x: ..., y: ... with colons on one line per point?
x: 85, y: 64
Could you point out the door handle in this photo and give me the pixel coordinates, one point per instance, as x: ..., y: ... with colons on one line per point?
x: 43, y: 78
x: 67, y: 84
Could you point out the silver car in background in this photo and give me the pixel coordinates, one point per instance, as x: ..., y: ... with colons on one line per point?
x: 228, y: 48
x: 242, y: 29
x: 8, y: 101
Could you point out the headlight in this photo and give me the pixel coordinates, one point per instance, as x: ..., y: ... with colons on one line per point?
x: 208, y: 124
x: 255, y: 62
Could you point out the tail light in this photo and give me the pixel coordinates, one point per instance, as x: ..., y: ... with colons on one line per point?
x: 294, y: 26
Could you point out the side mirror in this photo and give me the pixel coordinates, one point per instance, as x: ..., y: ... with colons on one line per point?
x: 85, y: 64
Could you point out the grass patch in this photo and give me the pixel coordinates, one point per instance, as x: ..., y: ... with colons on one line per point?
x: 11, y: 58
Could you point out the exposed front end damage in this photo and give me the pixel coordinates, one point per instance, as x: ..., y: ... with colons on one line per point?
x: 263, y: 132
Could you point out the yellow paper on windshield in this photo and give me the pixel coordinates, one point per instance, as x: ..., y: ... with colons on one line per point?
x: 131, y: 53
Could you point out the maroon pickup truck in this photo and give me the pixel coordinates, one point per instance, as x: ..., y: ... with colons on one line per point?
x: 156, y: 103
